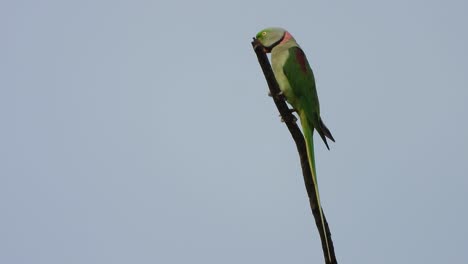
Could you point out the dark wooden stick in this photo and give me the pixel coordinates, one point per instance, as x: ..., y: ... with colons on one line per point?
x: 296, y: 133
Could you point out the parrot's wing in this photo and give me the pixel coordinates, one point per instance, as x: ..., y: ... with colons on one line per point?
x: 302, y: 82
x: 301, y: 79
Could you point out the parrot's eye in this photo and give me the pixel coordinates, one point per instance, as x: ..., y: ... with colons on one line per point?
x: 264, y: 33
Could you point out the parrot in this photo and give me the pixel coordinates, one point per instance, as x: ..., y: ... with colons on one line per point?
x: 297, y: 84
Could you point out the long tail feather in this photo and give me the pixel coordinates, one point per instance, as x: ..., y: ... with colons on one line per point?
x: 308, y: 130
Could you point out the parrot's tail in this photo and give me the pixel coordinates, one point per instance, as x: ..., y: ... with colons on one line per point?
x: 308, y: 130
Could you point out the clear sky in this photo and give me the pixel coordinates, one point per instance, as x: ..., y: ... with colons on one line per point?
x: 141, y: 132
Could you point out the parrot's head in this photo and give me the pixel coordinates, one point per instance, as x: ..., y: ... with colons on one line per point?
x: 270, y: 37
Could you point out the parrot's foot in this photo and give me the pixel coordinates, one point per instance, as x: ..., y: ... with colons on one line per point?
x: 280, y: 95
x: 294, y: 118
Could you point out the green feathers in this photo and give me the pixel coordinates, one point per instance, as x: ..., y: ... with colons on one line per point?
x: 300, y: 75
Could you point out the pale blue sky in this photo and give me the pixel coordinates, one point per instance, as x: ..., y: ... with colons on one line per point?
x: 141, y: 132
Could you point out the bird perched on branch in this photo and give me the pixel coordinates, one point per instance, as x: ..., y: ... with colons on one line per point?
x: 297, y: 84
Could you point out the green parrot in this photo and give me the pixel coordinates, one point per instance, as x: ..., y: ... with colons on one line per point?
x: 296, y: 82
